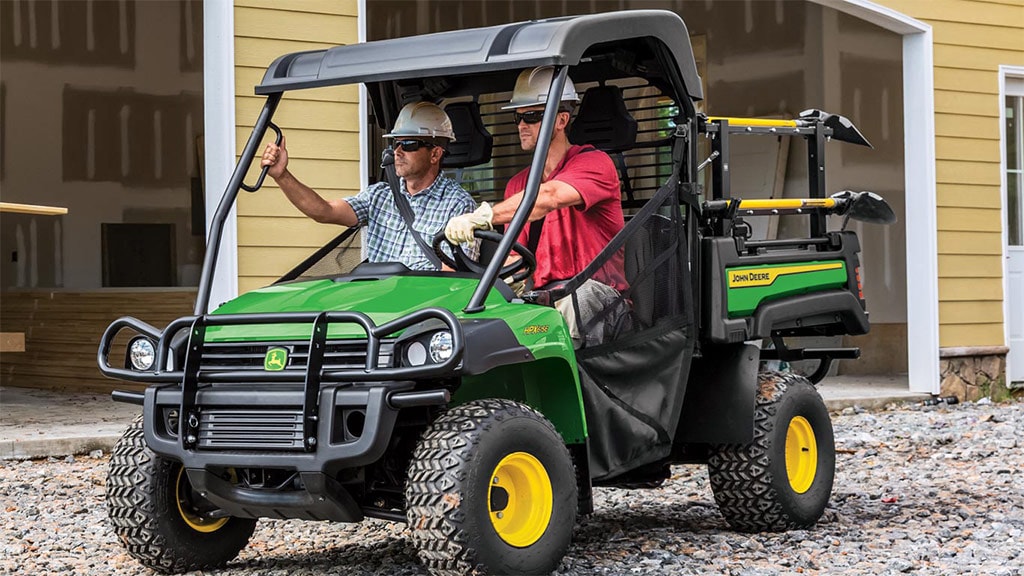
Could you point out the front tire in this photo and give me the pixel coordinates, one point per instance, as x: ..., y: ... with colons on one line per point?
x: 783, y: 479
x: 491, y: 490
x: 162, y: 522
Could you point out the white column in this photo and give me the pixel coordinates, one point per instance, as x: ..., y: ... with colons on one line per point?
x: 219, y: 136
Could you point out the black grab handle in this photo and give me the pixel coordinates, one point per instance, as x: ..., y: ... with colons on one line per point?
x: 263, y: 173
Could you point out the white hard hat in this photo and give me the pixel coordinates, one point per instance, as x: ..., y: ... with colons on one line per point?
x: 532, y: 87
x: 422, y: 119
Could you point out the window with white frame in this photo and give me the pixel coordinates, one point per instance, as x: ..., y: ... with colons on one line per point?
x: 1014, y: 170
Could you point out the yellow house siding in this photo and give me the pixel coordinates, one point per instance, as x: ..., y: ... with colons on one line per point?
x: 291, y: 24
x: 335, y: 7
x: 321, y: 127
x: 972, y: 149
x: 971, y: 40
x: 965, y: 172
x: 964, y: 289
x: 957, y: 242
x: 307, y: 143
x: 969, y: 266
x: 968, y: 195
x: 992, y: 13
x: 968, y: 220
x: 311, y: 115
x: 977, y: 334
x: 273, y: 231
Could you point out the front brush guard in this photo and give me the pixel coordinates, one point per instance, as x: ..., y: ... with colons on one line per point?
x: 314, y: 374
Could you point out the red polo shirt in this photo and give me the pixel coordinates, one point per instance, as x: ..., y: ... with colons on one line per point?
x: 573, y: 236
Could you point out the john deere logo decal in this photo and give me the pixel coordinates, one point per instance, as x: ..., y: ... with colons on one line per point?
x: 766, y: 276
x: 276, y: 359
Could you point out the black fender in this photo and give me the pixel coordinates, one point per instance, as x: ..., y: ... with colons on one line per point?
x: 489, y: 343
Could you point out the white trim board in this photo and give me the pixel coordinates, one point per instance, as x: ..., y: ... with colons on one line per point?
x: 919, y: 180
x: 219, y: 139
x: 1011, y: 83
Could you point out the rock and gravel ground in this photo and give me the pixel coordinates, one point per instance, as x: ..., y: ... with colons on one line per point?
x: 918, y: 490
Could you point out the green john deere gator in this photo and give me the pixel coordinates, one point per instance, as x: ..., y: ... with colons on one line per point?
x: 351, y: 390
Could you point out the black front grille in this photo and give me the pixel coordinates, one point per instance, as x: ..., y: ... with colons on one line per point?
x: 250, y: 429
x: 338, y: 355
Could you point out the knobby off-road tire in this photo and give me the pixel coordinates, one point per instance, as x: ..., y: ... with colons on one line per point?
x: 157, y: 515
x: 783, y: 479
x: 491, y: 490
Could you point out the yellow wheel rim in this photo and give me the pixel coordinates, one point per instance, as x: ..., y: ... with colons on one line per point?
x: 520, y: 499
x: 188, y: 511
x: 801, y: 454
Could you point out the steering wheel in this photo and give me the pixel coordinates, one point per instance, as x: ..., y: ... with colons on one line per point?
x: 521, y: 269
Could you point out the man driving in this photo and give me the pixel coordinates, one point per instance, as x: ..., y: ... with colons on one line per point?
x: 420, y: 137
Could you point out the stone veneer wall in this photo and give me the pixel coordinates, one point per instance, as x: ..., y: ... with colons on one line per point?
x: 974, y: 373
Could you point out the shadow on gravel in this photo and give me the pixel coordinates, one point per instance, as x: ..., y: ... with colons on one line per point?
x: 388, y: 556
x: 623, y: 524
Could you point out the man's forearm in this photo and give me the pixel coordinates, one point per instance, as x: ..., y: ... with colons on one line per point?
x: 504, y: 210
x: 551, y: 196
x: 313, y: 205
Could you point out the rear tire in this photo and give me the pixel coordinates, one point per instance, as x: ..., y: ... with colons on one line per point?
x: 491, y: 490
x: 155, y: 513
x: 783, y: 479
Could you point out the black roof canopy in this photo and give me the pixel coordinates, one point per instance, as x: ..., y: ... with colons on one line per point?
x: 509, y: 47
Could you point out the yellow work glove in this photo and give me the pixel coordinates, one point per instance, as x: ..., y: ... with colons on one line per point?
x: 460, y: 228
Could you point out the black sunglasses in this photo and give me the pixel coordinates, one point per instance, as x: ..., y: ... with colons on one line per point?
x: 412, y: 145
x: 530, y: 117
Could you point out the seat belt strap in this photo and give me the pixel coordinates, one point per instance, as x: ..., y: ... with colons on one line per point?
x: 387, y: 163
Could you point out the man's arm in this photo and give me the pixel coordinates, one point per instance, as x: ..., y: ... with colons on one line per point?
x: 552, y: 195
x: 303, y: 197
x: 315, y: 206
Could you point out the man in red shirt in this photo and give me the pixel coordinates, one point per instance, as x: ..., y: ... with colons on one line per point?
x: 578, y: 200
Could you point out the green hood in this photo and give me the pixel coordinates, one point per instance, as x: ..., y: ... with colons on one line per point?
x: 382, y: 300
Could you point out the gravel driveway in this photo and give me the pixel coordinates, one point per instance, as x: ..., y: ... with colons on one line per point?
x: 925, y: 490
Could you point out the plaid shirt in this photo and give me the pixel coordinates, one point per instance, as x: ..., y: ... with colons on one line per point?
x: 387, y: 238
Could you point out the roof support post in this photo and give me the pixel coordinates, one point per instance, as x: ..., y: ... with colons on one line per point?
x: 228, y: 201
x: 533, y: 181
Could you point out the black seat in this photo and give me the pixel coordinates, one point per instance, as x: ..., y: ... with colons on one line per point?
x: 473, y: 143
x: 604, y: 122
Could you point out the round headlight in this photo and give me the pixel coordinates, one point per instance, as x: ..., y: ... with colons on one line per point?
x: 416, y: 354
x: 441, y: 346
x: 141, y: 354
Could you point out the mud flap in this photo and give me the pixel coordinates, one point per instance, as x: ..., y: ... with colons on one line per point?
x: 719, y: 407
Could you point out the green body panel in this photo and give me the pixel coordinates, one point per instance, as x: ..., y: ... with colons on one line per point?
x: 749, y: 286
x: 382, y: 300
x: 550, y: 383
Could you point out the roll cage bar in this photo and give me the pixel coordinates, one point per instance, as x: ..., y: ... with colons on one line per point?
x: 646, y: 43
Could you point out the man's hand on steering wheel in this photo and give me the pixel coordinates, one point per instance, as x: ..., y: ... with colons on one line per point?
x: 520, y: 269
x: 459, y: 229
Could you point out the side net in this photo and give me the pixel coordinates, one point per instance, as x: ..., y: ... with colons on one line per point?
x: 634, y: 347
